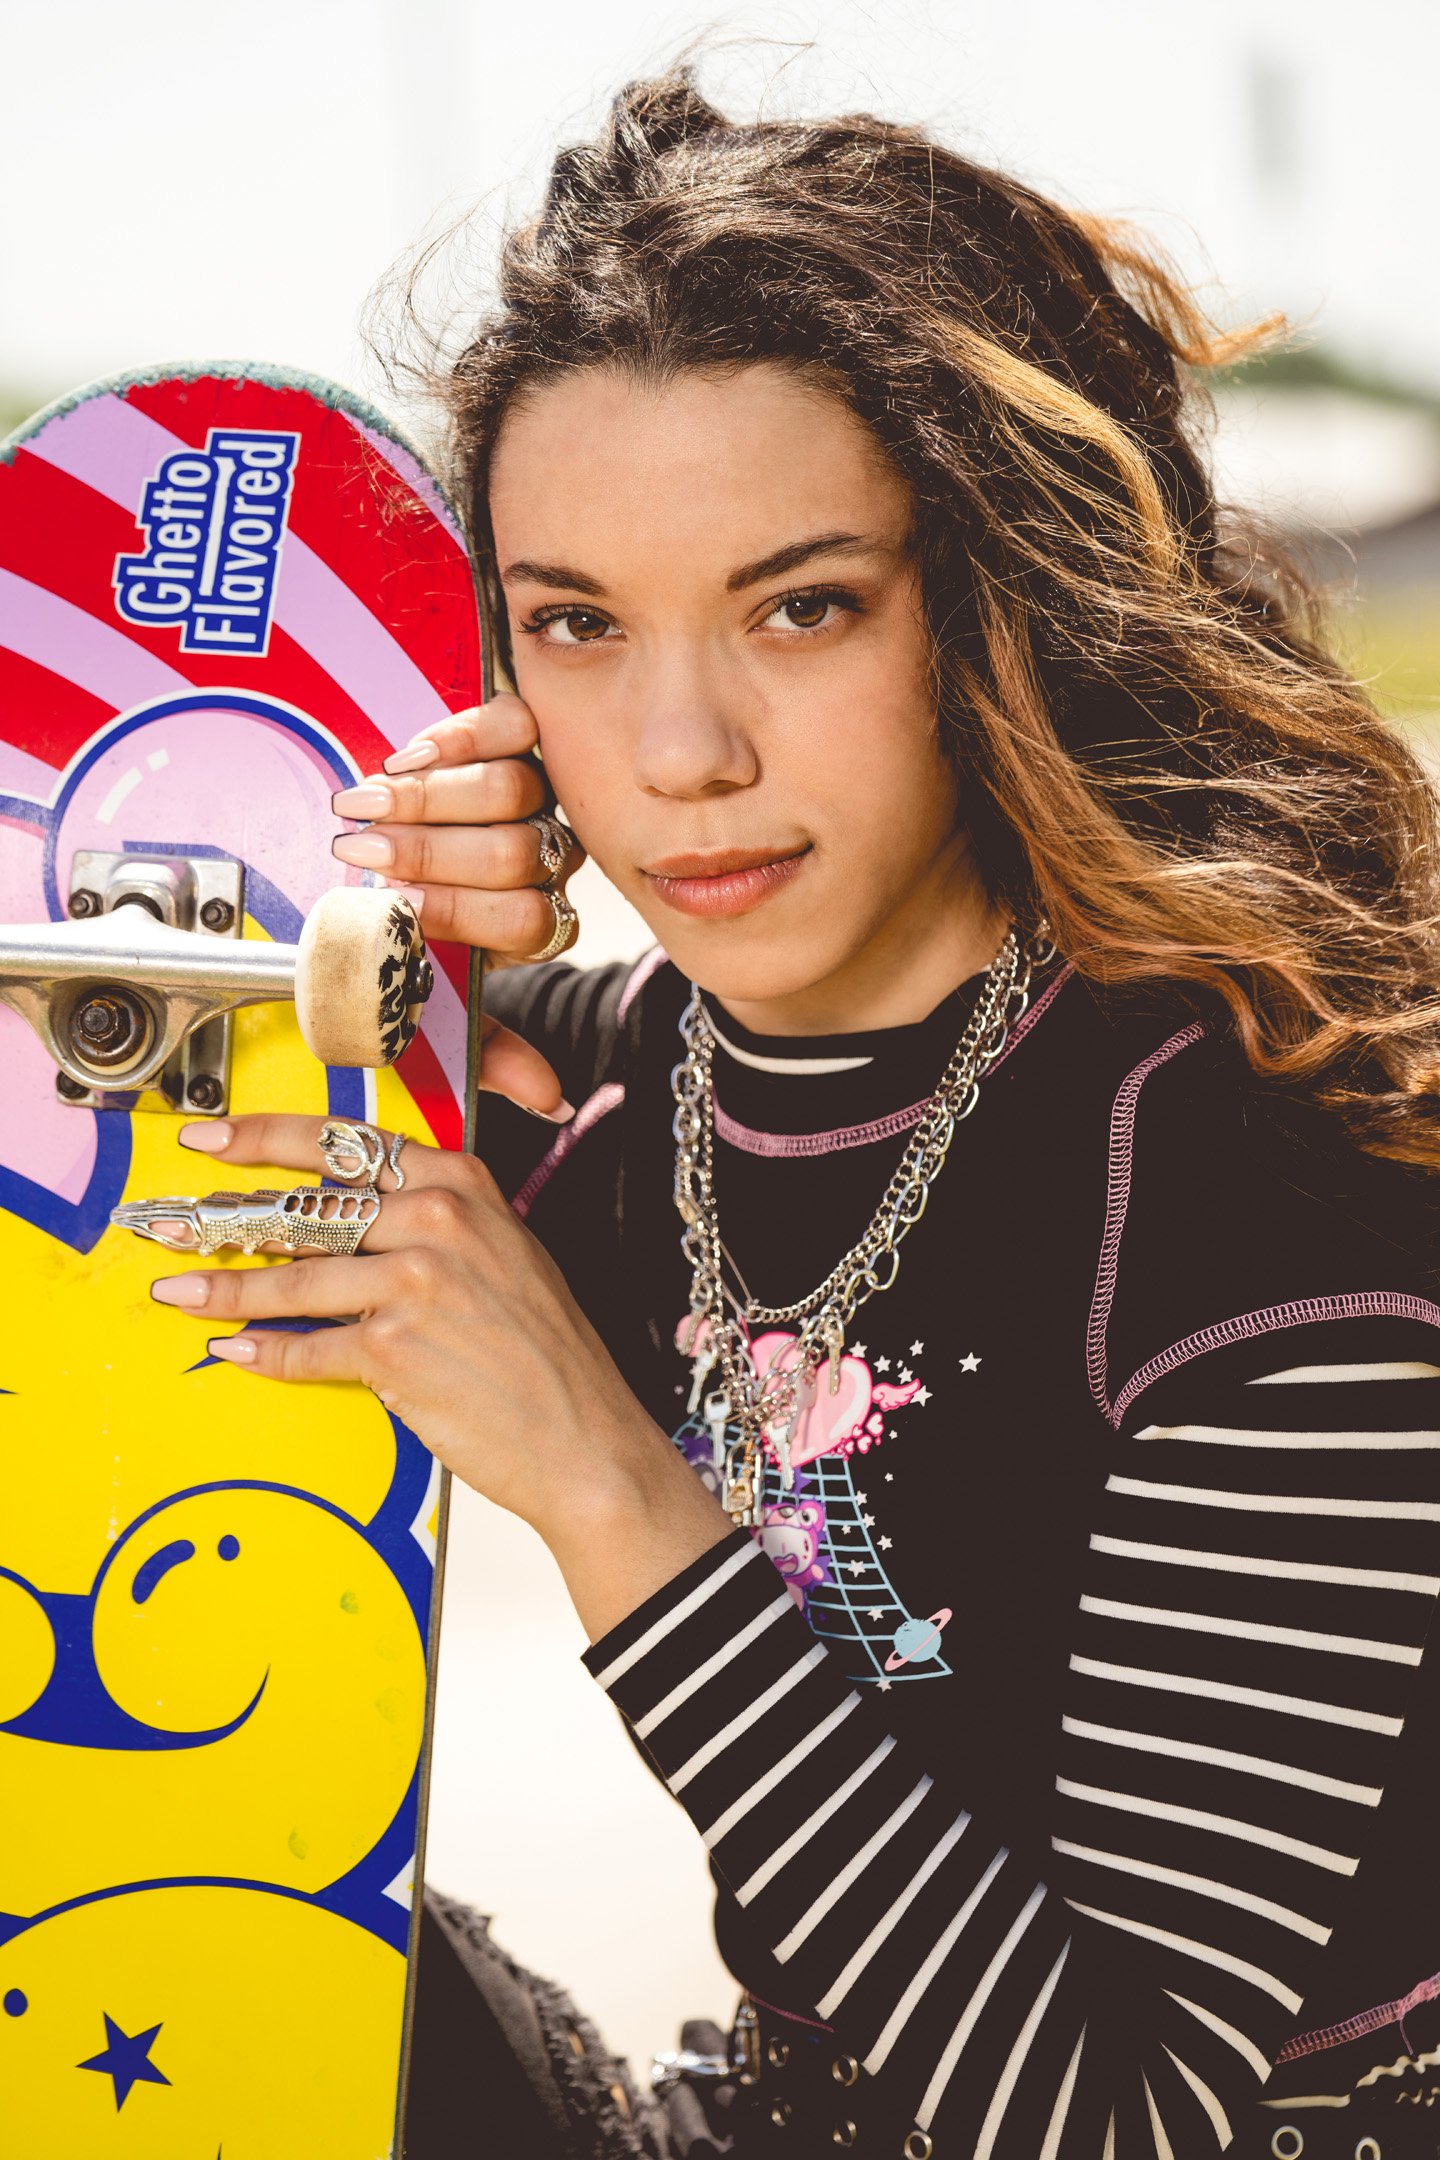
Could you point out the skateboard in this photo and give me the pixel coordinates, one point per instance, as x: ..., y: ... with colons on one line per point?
x: 225, y: 592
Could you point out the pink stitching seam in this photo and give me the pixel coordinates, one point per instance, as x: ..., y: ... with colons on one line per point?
x: 1117, y: 1201
x: 639, y: 975
x: 796, y: 1145
x: 600, y: 1104
x: 1350, y: 1305
x: 1365, y: 2021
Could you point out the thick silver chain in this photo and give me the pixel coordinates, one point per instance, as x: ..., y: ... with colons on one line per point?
x: 753, y: 1404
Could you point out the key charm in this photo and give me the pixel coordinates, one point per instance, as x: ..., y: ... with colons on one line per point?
x: 717, y: 1417
x: 739, y: 1500
x: 703, y: 1367
x: 835, y: 1342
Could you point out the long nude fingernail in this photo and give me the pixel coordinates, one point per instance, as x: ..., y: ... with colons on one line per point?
x: 414, y: 757
x: 369, y: 801
x: 232, y: 1349
x: 185, y: 1290
x: 211, y: 1138
x: 367, y: 850
x: 562, y: 1116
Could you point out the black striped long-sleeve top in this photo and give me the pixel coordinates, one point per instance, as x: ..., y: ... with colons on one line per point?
x: 1063, y: 1738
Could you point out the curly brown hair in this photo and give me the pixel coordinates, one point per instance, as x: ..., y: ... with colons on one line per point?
x: 1157, y: 750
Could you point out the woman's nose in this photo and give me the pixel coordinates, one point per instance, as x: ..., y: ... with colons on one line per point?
x: 690, y: 739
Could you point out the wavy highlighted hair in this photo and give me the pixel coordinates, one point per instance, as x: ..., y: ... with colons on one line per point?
x: 1156, y: 749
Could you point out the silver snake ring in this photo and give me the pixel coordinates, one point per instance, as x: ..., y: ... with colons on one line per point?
x: 556, y: 841
x: 342, y: 1141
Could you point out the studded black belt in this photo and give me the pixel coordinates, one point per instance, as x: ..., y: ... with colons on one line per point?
x: 808, y: 2095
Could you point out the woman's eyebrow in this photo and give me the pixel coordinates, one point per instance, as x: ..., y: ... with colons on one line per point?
x: 798, y: 552
x: 538, y: 573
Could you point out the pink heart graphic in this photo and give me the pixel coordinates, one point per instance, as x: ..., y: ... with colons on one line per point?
x: 828, y: 1419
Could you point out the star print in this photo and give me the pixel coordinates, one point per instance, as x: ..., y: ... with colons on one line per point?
x: 869, y: 1521
x: 882, y: 1364
x: 969, y: 1364
x: 884, y: 1687
x: 857, y: 1567
x: 906, y: 1376
x: 857, y: 1349
x: 922, y: 1395
x: 861, y: 1498
x: 877, y: 1612
x: 126, y: 2058
x: 889, y: 1479
x: 885, y: 1544
x: 917, y: 1349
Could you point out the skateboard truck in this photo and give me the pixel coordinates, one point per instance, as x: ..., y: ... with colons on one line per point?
x: 137, y: 988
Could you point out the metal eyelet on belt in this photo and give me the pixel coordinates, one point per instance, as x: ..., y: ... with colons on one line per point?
x: 845, y: 2069
x: 780, y: 2113
x: 843, y: 2132
x: 918, y: 2145
x: 777, y: 2053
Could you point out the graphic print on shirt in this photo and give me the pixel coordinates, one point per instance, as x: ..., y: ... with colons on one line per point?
x: 819, y: 1533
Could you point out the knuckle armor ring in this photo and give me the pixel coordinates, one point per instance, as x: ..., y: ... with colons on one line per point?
x: 308, y: 1218
x: 342, y: 1141
x: 566, y: 921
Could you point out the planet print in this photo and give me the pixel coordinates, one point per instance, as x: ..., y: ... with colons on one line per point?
x: 916, y: 1640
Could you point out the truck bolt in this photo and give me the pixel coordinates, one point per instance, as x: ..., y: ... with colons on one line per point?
x: 205, y: 1092
x: 83, y: 903
x: 72, y: 1090
x: 217, y: 915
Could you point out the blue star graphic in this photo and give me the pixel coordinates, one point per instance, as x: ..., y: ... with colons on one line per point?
x: 126, y: 2059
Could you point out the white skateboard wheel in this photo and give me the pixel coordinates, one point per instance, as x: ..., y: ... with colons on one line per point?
x: 361, y: 978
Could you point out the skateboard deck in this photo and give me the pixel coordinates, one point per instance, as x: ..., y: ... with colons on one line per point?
x: 225, y: 592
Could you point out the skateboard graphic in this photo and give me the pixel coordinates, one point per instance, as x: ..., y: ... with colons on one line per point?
x: 224, y: 593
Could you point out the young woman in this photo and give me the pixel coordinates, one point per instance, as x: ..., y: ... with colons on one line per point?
x: 1004, y: 1496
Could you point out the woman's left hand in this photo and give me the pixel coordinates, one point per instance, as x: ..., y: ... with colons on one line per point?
x: 461, y: 1323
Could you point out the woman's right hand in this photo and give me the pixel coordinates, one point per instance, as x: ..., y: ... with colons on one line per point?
x: 444, y: 821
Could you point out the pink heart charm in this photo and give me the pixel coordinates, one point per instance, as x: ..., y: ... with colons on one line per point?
x: 827, y: 1420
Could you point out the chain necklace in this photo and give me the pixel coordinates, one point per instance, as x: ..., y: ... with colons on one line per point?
x: 756, y: 1406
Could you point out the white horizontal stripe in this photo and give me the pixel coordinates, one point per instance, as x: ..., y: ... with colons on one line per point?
x: 645, y: 1643
x: 919, y: 1981
x: 1278, y: 1503
x: 761, y: 1063
x: 850, y: 1874
x: 716, y: 1662
x: 747, y: 1717
x: 1008, y: 2076
x: 1308, y: 2100
x: 755, y: 1793
x: 1299, y: 1442
x: 1241, y: 2042
x: 1388, y: 1653
x: 1201, y: 1885
x: 884, y: 1926
x: 1248, y: 1564
x: 954, y: 2048
x: 1225, y: 1759
x: 1050, y: 2150
x: 1205, y: 1952
x: 1393, y: 1369
x: 1226, y: 1691
x: 1219, y: 2121
x: 1164, y: 2150
x: 783, y: 1854
x: 1222, y: 1825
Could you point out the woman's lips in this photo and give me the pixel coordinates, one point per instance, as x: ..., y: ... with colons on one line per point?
x: 730, y: 892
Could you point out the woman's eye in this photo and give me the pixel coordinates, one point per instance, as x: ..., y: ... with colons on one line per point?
x: 809, y: 610
x: 574, y: 626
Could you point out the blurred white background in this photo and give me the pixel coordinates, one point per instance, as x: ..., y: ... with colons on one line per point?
x: 221, y: 181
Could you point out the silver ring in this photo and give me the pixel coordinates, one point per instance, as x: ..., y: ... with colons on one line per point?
x: 341, y: 1140
x: 566, y: 920
x: 556, y: 841
x: 308, y: 1218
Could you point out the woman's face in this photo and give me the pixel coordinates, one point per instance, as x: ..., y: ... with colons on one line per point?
x: 717, y: 625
